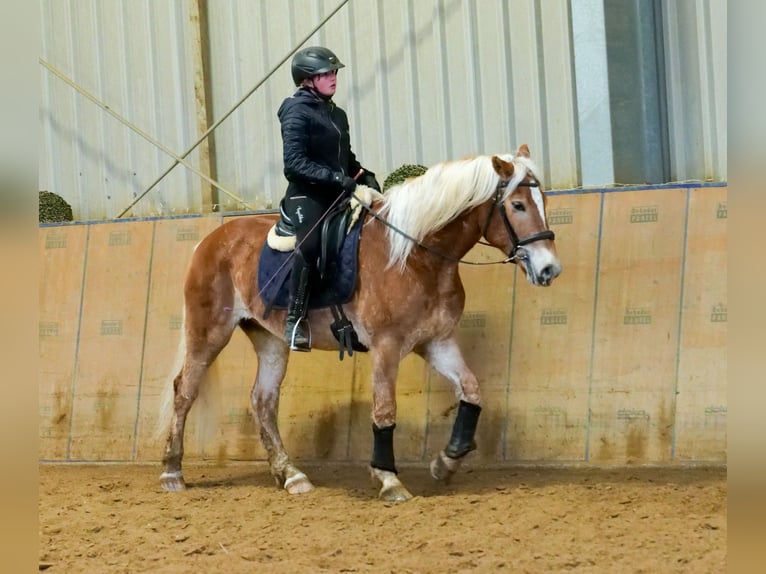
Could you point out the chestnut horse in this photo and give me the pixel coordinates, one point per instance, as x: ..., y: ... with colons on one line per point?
x: 408, y: 298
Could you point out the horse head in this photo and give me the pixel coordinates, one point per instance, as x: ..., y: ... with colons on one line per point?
x: 517, y: 222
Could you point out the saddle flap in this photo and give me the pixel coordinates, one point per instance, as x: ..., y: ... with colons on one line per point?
x: 275, y: 266
x: 334, y: 230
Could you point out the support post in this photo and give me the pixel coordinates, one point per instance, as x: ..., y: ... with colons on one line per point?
x: 198, y: 31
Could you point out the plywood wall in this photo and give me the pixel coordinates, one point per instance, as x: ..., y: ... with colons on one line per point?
x: 549, y: 387
x: 621, y: 361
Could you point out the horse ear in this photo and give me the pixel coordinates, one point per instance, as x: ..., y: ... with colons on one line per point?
x: 503, y: 168
x: 523, y: 151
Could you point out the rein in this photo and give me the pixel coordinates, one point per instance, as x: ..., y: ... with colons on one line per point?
x: 517, y: 243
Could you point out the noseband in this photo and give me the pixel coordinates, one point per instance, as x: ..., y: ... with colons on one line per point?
x: 516, y: 252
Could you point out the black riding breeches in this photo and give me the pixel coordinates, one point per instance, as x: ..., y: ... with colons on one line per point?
x: 307, y: 214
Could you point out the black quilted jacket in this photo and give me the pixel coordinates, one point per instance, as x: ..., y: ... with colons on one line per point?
x: 316, y: 145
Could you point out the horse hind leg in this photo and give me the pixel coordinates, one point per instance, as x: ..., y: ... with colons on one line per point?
x: 272, y: 354
x: 185, y: 389
x: 197, y: 358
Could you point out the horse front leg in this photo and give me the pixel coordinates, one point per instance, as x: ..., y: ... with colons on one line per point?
x: 445, y: 356
x: 272, y: 354
x: 385, y: 368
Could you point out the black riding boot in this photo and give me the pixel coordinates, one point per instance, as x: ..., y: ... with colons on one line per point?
x: 297, y: 329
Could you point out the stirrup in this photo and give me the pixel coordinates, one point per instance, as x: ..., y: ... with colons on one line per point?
x: 293, y: 345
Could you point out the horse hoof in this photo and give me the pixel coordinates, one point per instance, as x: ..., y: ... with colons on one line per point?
x: 298, y: 484
x: 172, y: 481
x: 392, y: 489
x: 395, y: 493
x: 443, y: 467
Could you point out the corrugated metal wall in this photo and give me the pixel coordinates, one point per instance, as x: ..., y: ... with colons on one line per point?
x: 695, y: 58
x: 425, y: 81
x: 134, y: 56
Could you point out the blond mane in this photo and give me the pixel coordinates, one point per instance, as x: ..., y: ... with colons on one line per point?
x: 426, y: 203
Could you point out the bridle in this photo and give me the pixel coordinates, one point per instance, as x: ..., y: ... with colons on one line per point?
x: 516, y: 243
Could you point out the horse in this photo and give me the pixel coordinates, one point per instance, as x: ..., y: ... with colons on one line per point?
x: 408, y: 298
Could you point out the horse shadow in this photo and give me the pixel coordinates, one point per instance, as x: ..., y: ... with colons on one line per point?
x: 351, y: 479
x: 333, y: 447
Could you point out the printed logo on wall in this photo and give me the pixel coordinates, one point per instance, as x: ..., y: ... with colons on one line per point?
x: 552, y: 412
x: 561, y: 216
x: 174, y: 323
x: 632, y: 415
x: 553, y: 317
x: 111, y: 327
x: 55, y: 240
x: 637, y: 316
x: 644, y: 214
x: 473, y: 321
x: 715, y: 417
x: 721, y: 211
x: 719, y: 313
x: 49, y: 329
x: 187, y: 233
x: 119, y: 238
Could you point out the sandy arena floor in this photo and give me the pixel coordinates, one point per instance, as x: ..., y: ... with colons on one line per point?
x: 104, y: 519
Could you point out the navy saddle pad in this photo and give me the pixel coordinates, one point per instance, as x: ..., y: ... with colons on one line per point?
x: 275, y: 267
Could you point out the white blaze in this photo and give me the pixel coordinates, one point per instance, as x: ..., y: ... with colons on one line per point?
x: 537, y: 196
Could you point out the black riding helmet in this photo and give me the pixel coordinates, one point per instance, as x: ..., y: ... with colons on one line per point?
x: 309, y: 62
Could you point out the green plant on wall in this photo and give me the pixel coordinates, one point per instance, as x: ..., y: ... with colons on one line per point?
x: 53, y: 208
x: 402, y: 173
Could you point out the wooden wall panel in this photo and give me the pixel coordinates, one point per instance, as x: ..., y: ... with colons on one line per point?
x: 111, y: 341
x: 174, y: 241
x: 701, y: 411
x: 228, y: 431
x: 61, y: 264
x: 315, y: 405
x: 637, y: 319
x: 586, y: 370
x: 551, y: 351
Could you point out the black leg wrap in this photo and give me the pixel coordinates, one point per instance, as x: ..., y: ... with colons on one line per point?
x: 461, y: 442
x: 383, y: 448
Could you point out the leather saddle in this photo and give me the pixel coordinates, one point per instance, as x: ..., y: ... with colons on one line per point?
x: 336, y: 270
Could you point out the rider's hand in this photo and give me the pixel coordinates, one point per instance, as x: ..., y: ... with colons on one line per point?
x: 348, y: 184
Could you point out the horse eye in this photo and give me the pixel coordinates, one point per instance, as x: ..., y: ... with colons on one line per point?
x: 518, y: 206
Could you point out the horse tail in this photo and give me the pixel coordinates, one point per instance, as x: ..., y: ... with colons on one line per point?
x: 207, y: 401
x: 167, y: 399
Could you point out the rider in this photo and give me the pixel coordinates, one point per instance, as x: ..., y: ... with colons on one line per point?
x: 321, y: 170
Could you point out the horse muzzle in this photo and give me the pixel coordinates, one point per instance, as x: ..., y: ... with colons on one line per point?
x: 540, y: 270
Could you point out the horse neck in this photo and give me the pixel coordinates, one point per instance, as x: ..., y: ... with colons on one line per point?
x: 457, y: 237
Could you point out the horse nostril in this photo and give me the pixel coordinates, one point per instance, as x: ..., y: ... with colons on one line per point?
x: 549, y: 273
